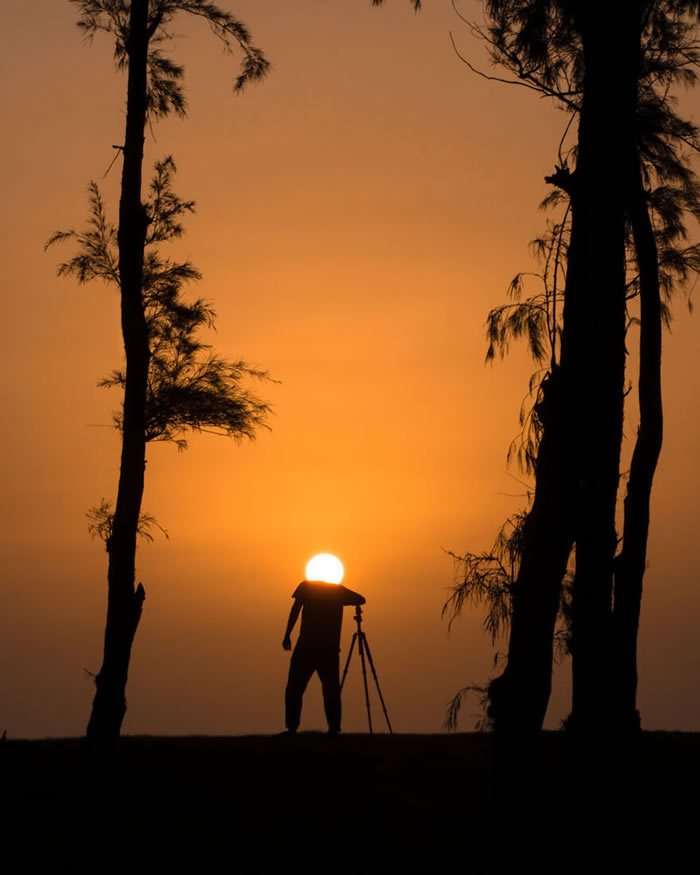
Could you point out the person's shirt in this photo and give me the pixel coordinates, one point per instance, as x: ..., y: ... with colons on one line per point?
x: 322, y: 613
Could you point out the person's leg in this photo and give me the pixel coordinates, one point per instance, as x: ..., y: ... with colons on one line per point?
x: 327, y: 668
x: 301, y: 667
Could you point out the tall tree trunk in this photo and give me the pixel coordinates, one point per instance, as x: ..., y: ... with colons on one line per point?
x: 631, y: 562
x: 577, y: 467
x: 124, y: 600
x: 518, y: 698
x: 596, y: 319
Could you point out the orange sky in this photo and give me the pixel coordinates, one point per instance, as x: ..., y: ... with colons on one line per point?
x: 358, y: 213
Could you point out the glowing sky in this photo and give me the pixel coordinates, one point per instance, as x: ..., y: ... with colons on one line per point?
x: 358, y: 214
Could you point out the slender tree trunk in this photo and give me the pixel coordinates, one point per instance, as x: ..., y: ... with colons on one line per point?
x: 631, y: 562
x: 596, y: 319
x: 124, y: 600
x: 518, y: 698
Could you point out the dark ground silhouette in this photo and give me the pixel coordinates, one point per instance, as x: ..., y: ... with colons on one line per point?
x: 401, y: 803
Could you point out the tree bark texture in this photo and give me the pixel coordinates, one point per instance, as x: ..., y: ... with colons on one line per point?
x: 631, y: 562
x: 124, y: 600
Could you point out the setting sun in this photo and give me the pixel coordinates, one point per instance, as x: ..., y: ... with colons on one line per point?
x: 325, y: 567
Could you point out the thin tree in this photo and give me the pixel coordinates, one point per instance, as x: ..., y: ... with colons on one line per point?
x: 154, y: 90
x: 665, y: 191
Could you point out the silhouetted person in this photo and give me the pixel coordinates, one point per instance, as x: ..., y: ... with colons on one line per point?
x: 321, y: 607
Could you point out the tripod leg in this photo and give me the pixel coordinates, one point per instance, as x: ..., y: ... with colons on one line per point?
x: 374, y: 675
x: 361, y: 648
x: 347, y: 661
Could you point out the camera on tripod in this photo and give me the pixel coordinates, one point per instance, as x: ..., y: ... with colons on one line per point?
x: 360, y: 639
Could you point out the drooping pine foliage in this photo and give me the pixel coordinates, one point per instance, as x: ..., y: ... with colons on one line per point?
x: 485, y: 580
x: 539, y: 44
x: 189, y: 387
x: 101, y: 522
x: 165, y: 78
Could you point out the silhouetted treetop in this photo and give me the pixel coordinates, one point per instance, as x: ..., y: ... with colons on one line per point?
x: 540, y: 42
x: 165, y: 94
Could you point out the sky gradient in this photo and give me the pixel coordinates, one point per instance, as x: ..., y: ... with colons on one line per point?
x: 358, y: 213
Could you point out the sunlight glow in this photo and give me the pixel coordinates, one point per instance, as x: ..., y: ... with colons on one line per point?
x: 325, y: 567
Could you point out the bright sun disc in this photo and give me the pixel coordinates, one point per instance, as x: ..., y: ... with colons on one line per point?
x: 325, y: 567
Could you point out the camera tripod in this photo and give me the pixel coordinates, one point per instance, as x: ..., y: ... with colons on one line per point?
x: 363, y: 647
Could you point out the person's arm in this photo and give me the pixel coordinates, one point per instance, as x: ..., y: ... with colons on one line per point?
x: 293, y: 615
x: 352, y: 598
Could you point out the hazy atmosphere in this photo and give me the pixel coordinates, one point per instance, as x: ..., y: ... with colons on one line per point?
x: 358, y: 213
